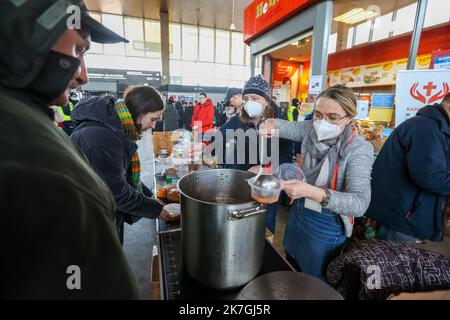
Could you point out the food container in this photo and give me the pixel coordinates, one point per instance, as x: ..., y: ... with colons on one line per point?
x: 267, y: 191
x: 290, y: 171
x: 174, y: 211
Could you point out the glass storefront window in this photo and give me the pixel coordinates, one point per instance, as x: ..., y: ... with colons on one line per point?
x: 122, y: 62
x: 438, y: 11
x: 221, y: 75
x: 238, y: 73
x: 115, y: 23
x: 362, y: 22
x: 404, y: 19
x: 134, y: 32
x: 206, y: 48
x: 202, y: 73
x: 362, y: 33
x: 96, y: 47
x: 176, y: 68
x: 175, y: 41
x: 153, y: 39
x: 434, y: 45
x: 189, y: 42
x: 222, y: 46
x: 381, y: 29
x: 237, y: 48
x: 367, y: 58
x: 349, y: 39
x: 332, y: 43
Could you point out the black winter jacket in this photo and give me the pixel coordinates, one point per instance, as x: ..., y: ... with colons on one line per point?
x: 411, y: 176
x: 100, y: 136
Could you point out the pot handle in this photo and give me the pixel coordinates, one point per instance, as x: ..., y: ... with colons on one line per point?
x: 236, y: 214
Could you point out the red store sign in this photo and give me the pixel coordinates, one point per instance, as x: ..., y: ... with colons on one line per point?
x: 262, y: 15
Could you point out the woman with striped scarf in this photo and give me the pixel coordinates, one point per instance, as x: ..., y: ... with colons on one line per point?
x: 107, y: 131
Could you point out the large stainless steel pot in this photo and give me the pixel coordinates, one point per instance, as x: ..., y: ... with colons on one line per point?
x: 223, y: 229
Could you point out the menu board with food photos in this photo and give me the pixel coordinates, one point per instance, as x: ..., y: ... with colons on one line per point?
x: 379, y: 74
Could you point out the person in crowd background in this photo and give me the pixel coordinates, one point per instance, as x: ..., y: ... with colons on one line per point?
x: 180, y: 111
x: 411, y: 177
x: 203, y: 114
x: 233, y: 104
x: 188, y: 113
x: 293, y: 111
x: 170, y: 116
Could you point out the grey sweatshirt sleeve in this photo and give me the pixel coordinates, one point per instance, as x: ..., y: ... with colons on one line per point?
x: 355, y: 198
x: 294, y: 131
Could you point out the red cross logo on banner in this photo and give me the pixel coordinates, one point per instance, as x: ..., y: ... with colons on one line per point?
x: 428, y: 90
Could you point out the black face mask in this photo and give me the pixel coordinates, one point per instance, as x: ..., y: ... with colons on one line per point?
x: 54, y: 77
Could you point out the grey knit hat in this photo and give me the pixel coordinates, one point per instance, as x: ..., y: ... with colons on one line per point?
x: 257, y: 85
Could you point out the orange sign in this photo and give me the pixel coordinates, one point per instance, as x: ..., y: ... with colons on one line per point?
x: 261, y: 15
x: 283, y: 70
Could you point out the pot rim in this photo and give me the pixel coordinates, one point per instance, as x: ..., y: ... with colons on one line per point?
x: 251, y: 202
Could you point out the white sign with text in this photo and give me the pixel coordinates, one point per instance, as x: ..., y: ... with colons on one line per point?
x: 418, y: 88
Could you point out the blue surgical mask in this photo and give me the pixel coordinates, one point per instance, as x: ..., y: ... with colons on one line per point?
x: 253, y: 109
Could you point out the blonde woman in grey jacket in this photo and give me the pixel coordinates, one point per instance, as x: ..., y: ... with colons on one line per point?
x: 337, y: 163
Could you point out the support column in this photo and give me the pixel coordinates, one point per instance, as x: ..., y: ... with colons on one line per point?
x: 321, y: 36
x: 165, y: 45
x: 417, y: 32
x: 252, y: 65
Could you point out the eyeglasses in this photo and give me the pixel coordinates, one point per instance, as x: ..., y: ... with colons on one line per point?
x: 332, y: 118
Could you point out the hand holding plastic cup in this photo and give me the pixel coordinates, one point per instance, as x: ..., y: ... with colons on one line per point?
x: 290, y: 171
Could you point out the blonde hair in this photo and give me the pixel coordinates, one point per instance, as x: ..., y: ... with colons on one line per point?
x: 342, y: 95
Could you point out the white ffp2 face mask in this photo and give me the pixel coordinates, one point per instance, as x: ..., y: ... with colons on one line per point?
x: 253, y: 108
x: 326, y: 130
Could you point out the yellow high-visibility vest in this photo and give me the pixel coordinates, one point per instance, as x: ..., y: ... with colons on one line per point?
x: 66, y: 117
x: 290, y: 113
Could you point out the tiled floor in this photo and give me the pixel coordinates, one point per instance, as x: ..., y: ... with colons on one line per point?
x: 140, y: 237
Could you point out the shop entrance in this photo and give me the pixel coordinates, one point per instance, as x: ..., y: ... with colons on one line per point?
x: 291, y: 70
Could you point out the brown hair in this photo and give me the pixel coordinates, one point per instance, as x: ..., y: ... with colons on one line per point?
x: 342, y: 95
x: 141, y: 100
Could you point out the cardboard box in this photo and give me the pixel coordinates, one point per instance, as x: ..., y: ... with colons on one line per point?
x: 164, y: 140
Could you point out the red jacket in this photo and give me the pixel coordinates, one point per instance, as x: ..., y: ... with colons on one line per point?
x: 204, y: 113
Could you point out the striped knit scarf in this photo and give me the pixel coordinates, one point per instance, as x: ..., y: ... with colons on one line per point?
x: 131, y: 131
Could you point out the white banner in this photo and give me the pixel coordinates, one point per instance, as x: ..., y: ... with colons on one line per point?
x: 418, y: 88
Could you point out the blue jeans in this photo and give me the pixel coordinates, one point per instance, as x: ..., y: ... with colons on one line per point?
x: 384, y: 233
x: 271, y: 217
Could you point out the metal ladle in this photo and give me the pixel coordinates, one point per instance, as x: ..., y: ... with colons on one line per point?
x: 267, y: 182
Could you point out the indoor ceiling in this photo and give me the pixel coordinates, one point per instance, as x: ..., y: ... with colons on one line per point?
x: 206, y: 13
x: 295, y: 53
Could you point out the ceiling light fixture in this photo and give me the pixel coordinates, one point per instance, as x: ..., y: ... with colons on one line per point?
x: 355, y: 15
x: 232, y: 26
